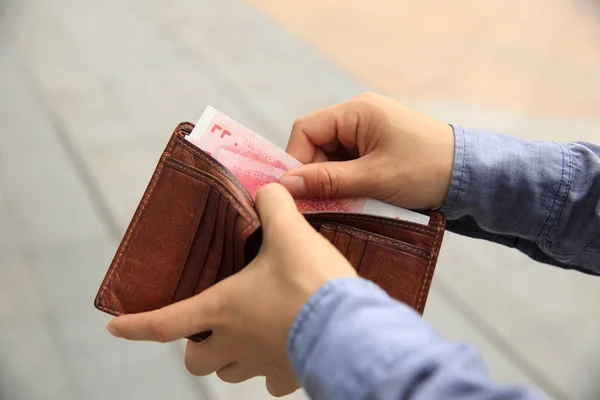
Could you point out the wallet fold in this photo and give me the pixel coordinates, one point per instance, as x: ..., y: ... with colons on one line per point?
x: 196, y: 225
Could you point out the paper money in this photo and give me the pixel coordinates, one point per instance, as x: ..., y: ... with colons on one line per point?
x: 255, y: 162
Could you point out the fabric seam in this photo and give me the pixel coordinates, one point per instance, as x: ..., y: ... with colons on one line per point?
x: 543, y: 233
x: 463, y: 162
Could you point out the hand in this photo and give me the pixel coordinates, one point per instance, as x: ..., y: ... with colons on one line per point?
x: 250, y: 313
x: 372, y: 146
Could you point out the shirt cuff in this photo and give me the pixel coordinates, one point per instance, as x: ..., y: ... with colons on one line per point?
x: 506, y: 185
x: 458, y: 171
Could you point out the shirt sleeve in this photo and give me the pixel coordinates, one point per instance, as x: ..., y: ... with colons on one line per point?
x: 351, y: 341
x: 542, y: 198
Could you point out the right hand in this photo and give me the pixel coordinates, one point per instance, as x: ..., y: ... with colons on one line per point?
x: 372, y: 146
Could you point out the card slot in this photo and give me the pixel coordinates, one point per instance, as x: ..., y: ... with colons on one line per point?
x: 239, y: 251
x: 350, y: 246
x: 145, y: 271
x: 228, y: 214
x: 199, y: 250
x: 212, y: 262
x: 413, y: 234
x: 226, y: 185
x: 189, y: 154
x: 369, y: 236
x: 411, y: 272
x: 402, y: 270
x: 342, y: 242
x: 226, y: 265
x: 328, y: 232
x: 356, y: 251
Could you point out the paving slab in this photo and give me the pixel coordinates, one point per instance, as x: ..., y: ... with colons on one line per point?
x: 40, y: 185
x: 28, y: 352
x: 10, y: 231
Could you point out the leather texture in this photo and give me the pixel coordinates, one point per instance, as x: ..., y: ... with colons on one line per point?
x: 196, y: 225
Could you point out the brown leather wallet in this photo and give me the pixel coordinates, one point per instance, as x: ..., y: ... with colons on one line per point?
x: 196, y: 225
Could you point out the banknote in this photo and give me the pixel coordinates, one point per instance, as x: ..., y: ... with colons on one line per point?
x: 255, y: 162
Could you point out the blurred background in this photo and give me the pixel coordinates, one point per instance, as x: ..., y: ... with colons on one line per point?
x: 90, y: 92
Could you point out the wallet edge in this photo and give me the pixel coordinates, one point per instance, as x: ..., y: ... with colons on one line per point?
x: 131, y: 230
x: 440, y: 227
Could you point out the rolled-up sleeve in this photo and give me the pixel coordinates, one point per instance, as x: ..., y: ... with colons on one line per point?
x: 542, y: 198
x: 351, y: 341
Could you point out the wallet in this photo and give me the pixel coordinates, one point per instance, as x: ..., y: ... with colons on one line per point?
x: 196, y: 225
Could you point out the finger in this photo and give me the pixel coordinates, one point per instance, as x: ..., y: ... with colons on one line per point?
x: 280, y: 388
x: 320, y: 156
x: 333, y: 179
x: 176, y: 321
x: 279, y: 215
x: 204, y: 358
x: 237, y: 373
x: 338, y: 123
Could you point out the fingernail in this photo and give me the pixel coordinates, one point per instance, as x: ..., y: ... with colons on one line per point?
x: 112, y: 330
x: 294, y: 184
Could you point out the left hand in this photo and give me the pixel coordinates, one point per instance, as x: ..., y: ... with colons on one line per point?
x: 251, y: 312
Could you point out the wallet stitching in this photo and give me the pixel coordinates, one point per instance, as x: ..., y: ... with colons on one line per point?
x: 194, y: 151
x: 362, y: 254
x: 132, y: 230
x: 251, y: 220
x: 203, y: 176
x: 429, y: 272
x: 408, y: 225
x: 377, y: 239
x: 191, y: 245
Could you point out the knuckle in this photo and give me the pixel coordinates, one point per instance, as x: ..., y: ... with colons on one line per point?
x: 219, y: 313
x: 367, y: 97
x: 328, y: 182
x: 268, y: 190
x: 299, y: 124
x: 280, y: 225
x: 158, y: 330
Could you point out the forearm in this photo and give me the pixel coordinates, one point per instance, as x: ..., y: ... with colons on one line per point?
x: 352, y: 342
x: 541, y: 197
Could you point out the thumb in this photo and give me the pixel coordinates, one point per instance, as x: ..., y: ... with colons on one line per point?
x: 278, y: 213
x: 352, y: 178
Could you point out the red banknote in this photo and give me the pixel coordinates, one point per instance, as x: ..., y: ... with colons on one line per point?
x: 256, y: 162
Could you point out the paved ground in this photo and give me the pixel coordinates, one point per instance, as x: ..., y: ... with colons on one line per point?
x: 90, y: 92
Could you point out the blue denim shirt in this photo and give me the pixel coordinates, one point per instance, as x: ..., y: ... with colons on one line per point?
x: 351, y: 341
